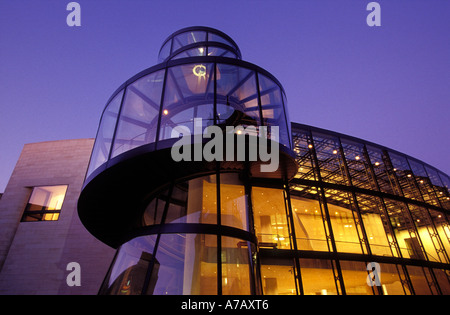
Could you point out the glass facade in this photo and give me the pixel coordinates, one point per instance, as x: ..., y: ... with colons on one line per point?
x: 350, y: 206
x: 375, y: 202
x: 224, y: 93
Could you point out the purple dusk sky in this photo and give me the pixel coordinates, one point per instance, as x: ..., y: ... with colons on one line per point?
x: 388, y: 84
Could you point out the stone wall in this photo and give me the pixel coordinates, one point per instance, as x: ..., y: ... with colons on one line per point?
x: 34, y: 255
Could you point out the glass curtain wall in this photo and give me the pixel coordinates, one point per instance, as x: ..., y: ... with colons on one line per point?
x: 176, y: 263
x: 362, y: 198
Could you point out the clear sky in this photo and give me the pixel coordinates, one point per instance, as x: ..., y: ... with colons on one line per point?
x: 388, y: 84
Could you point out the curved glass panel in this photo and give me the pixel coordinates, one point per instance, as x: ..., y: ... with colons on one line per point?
x: 205, y: 51
x: 221, y: 52
x: 175, y: 47
x: 188, y: 38
x: 189, y: 94
x: 185, y: 264
x: 272, y: 108
x: 130, y: 267
x: 102, y: 147
x: 233, y: 201
x: 216, y: 38
x: 235, y: 266
x: 139, y: 115
x: 237, y: 97
x: 193, y: 201
x: 189, y: 102
x: 194, y: 52
x: 165, y: 51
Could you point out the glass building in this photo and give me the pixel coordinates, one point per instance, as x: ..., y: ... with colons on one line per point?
x: 339, y: 215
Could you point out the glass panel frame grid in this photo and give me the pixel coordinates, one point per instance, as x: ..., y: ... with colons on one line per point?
x: 232, y: 260
x: 146, y: 110
x: 208, y: 38
x: 402, y: 195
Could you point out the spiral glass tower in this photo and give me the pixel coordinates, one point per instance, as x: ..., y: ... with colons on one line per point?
x: 332, y: 205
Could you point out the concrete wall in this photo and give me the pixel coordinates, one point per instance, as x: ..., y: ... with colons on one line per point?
x: 34, y: 255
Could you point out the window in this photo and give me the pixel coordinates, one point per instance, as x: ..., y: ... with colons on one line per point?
x: 45, y: 203
x: 278, y: 276
x: 185, y: 264
x: 317, y: 277
x: 235, y: 266
x: 269, y: 209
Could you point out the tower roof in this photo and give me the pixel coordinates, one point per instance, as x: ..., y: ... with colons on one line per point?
x: 198, y: 41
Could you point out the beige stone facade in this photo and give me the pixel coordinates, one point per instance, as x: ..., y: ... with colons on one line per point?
x: 34, y: 255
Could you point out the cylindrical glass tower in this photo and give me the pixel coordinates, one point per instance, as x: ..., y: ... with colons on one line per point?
x: 169, y: 181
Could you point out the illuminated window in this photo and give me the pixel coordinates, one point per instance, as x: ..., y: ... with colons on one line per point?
x: 45, y: 203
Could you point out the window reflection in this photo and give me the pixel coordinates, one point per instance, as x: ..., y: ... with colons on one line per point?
x: 186, y: 264
x: 130, y: 267
x: 193, y: 201
x: 154, y: 212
